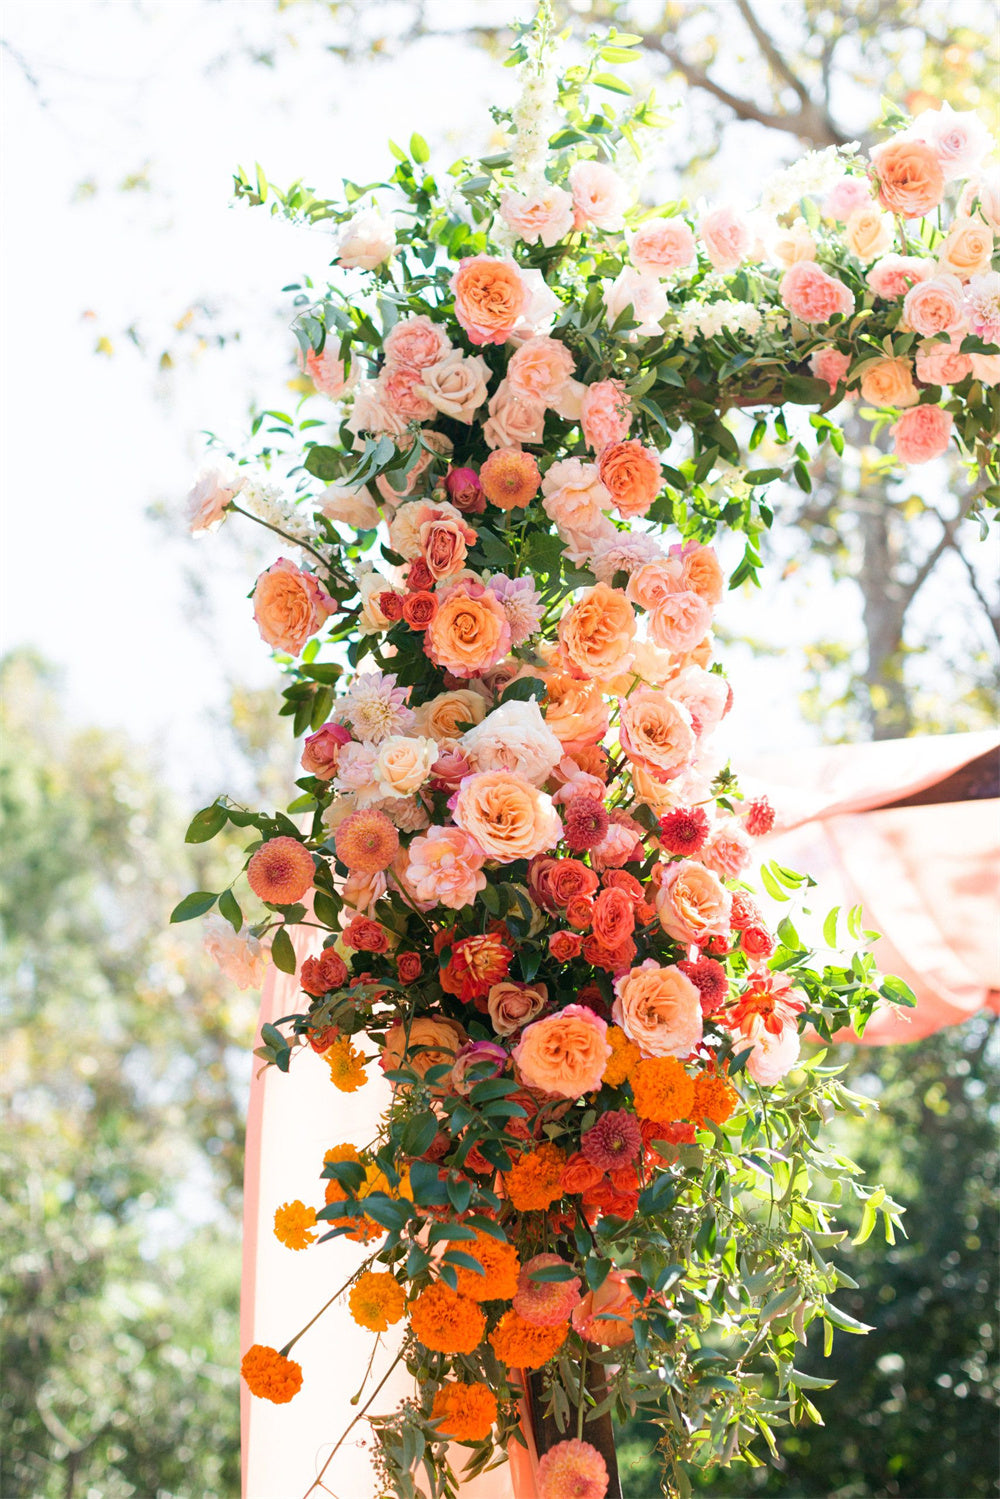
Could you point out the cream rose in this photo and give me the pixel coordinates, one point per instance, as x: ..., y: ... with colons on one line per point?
x: 509, y: 818
x: 450, y: 714
x: 868, y: 232
x: 403, y: 764
x: 514, y: 419
x: 514, y: 738
x: 788, y: 246
x: 365, y: 241
x: 659, y: 1009
x: 889, y: 382
x: 968, y: 249
x: 456, y: 385
x: 352, y: 507
x: 646, y: 296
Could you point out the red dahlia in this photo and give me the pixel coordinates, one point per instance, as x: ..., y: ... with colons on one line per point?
x: 684, y: 831
x: 709, y: 978
x: 585, y: 823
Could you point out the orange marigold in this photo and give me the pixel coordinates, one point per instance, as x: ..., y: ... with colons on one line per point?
x: 522, y: 1345
x: 466, y: 1411
x: 624, y: 1055
x: 347, y: 1066
x: 446, y: 1322
x: 499, y: 1261
x: 293, y: 1225
x: 376, y: 1300
x: 534, y: 1181
x: 270, y: 1375
x: 714, y: 1098
x: 662, y: 1089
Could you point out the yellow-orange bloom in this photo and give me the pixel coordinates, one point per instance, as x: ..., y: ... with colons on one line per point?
x: 624, y: 1056
x: 522, y: 1345
x: 715, y: 1098
x: 500, y: 1263
x: 347, y: 1066
x: 376, y: 1300
x: 269, y: 1375
x: 662, y: 1089
x: 293, y: 1225
x: 534, y: 1180
x: 446, y: 1322
x: 466, y: 1411
x: 510, y: 478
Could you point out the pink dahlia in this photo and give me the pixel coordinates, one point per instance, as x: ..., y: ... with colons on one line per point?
x: 585, y: 823
x: 545, y: 1303
x: 709, y: 978
x: 572, y: 1470
x: 613, y: 1141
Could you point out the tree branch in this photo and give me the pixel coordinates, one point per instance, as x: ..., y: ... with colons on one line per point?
x: 778, y: 63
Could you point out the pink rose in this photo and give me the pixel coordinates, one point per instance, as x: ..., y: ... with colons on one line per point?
x: 935, y: 306
x: 399, y: 390
x: 575, y: 499
x: 942, y: 364
x: 214, y: 489
x: 680, y: 622
x: 922, y: 433
x: 321, y: 751
x: 417, y: 342
x: 445, y: 867
x: 831, y: 365
x: 646, y: 297
x: 704, y: 694
x: 599, y: 194
x: 958, y: 138
x: 727, y: 238
x: 365, y: 241
x: 910, y: 179
x: 662, y: 246
x: 656, y: 734
x: 326, y: 371
x: 605, y: 414
x: 773, y: 1056
x: 545, y: 216
x: 893, y: 275
x: 514, y: 419
x: 983, y: 197
x: 372, y: 412
x: 289, y: 606
x: 727, y: 852
x: 845, y: 196
x: 539, y: 370
x: 813, y: 296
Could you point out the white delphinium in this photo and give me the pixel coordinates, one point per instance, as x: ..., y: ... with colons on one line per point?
x: 265, y: 501
x: 814, y: 174
x: 534, y: 115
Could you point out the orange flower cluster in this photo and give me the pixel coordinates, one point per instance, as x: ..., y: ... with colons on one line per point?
x: 269, y: 1375
x: 476, y: 964
x: 522, y: 1345
x: 500, y: 1263
x: 624, y: 1056
x: 466, y: 1411
x: 662, y: 1089
x: 614, y: 1192
x: 376, y: 1300
x: 535, y: 1180
x: 293, y: 1225
x: 446, y: 1322
x: 347, y: 1066
x: 715, y: 1098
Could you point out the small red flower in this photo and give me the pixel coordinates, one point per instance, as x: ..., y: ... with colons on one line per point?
x: 759, y: 817
x: 391, y: 604
x: 419, y: 609
x: 746, y: 911
x: 419, y: 576
x: 709, y: 978
x: 585, y: 823
x: 476, y: 964
x: 320, y: 975
x: 684, y: 831
x: 365, y: 935
x: 409, y: 966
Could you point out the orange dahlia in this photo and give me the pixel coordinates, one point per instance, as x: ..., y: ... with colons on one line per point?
x: 346, y: 1064
x: 376, y: 1300
x: 366, y: 841
x: 715, y: 1098
x: 281, y: 871
x: 446, y: 1322
x: 624, y: 1055
x: 466, y: 1411
x: 534, y: 1181
x: 270, y: 1375
x: 293, y: 1225
x: 521, y: 1345
x: 662, y: 1089
x: 500, y: 1263
x: 510, y: 478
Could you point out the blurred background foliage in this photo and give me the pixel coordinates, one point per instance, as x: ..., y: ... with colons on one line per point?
x: 126, y: 1058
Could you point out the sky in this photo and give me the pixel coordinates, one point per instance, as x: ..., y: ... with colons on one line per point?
x: 123, y: 123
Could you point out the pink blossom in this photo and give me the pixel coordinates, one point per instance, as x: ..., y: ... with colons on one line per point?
x: 773, y: 1056
x: 445, y: 866
x: 942, y: 364
x: 922, y: 433
x: 893, y: 275
x: 326, y: 371
x: 545, y: 216
x: 239, y: 956
x: 539, y: 370
x: 727, y: 237
x: 321, y: 751
x: 845, y: 196
x: 958, y: 138
x: 935, y: 306
x: 416, y: 342
x: 829, y: 364
x: 680, y: 621
x: 982, y: 305
x: 605, y: 414
x: 214, y: 489
x: 646, y: 297
x: 662, y: 246
x: 812, y: 295
x: 599, y: 194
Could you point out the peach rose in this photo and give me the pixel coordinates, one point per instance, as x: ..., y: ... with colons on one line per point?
x: 448, y: 715
x: 444, y: 544
x: 599, y: 195
x: 350, y: 506
x: 773, y: 1056
x: 539, y: 369
x: 509, y: 818
x: 910, y: 179
x: 986, y: 368
x: 239, y: 956
x: 514, y: 738
x: 606, y: 1315
x: 442, y: 1037
x: 470, y: 632
x: 406, y: 525
x: 680, y: 622
x: 604, y: 414
x: 692, y: 903
x: 922, y: 433
x: 596, y: 633
x: 289, y: 606
x: 514, y: 419
x: 398, y: 389
x: 889, y: 382
x: 574, y: 498
x: 727, y: 852
x: 659, y: 1009
x: 373, y: 412
x: 575, y: 710
x: 968, y: 249
x: 662, y: 246
x: 943, y: 364
x: 565, y: 1053
x: 326, y: 371
x: 632, y: 476
x: 365, y: 241
x: 935, y: 306
x: 656, y: 733
x: 644, y: 294
x: 868, y: 232
x: 403, y: 764
x: 704, y: 694
x: 893, y: 275
x: 702, y: 573
x: 654, y: 581
x: 456, y: 385
x: 416, y: 342
x: 321, y: 751
x: 813, y: 296
x: 546, y: 215
x: 511, y: 1005
x: 789, y: 246
x: 490, y: 297
x: 830, y: 364
x: 727, y: 238
x: 445, y: 865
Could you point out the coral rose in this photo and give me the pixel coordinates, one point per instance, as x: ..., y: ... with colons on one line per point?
x: 289, y: 606
x: 893, y: 275
x: 575, y: 710
x: 416, y: 342
x: 632, y: 476
x: 922, y: 433
x: 596, y: 633
x: 943, y: 364
x: 889, y: 382
x: 813, y: 296
x: 539, y: 369
x: 490, y: 297
x: 470, y: 632
x: 604, y: 414
x: 656, y: 733
x: 605, y: 1316
x: 445, y: 865
x: 321, y: 751
x: 659, y: 1009
x: 433, y: 1041
x: 727, y: 238
x: 565, y: 1053
x: 910, y: 179
x: 692, y: 903
x: 662, y: 246
x: 830, y: 364
x: 935, y: 306
x: 509, y: 818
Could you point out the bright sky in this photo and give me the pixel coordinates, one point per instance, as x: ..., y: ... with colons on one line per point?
x: 97, y: 91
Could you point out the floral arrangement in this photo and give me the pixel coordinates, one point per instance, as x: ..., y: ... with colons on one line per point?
x: 595, y: 1178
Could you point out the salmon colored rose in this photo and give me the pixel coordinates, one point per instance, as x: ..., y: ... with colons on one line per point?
x: 442, y: 1037
x: 701, y: 572
x: 813, y: 296
x: 889, y: 382
x: 613, y: 917
x: 416, y: 342
x: 289, y: 606
x: 575, y: 710
x: 910, y: 179
x: 659, y: 1009
x: 606, y: 1315
x: 470, y: 632
x: 539, y: 369
x: 565, y: 1053
x: 935, y: 306
x: 662, y: 246
x: 893, y: 275
x: 604, y: 414
x: 943, y: 364
x: 596, y: 634
x: 509, y: 818
x: 444, y: 544
x: 922, y: 433
x: 692, y: 903
x: 512, y: 1005
x: 555, y: 882
x: 490, y: 297
x: 565, y: 946
x: 656, y: 733
x: 632, y: 476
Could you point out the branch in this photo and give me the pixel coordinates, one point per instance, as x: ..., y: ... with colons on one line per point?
x: 778, y: 63
x: 911, y: 590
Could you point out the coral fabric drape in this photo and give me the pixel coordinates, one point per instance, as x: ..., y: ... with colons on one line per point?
x: 291, y: 1122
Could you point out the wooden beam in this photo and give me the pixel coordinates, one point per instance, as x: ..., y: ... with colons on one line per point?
x: 978, y: 780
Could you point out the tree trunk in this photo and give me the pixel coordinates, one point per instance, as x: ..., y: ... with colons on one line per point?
x: 599, y: 1433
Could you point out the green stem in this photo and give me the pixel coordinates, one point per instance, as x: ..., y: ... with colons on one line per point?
x: 581, y: 1396
x: 294, y: 540
x: 289, y: 1346
x: 317, y: 1481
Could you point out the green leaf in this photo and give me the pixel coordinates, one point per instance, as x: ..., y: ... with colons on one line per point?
x: 419, y: 149
x: 282, y: 951
x: 206, y: 823
x: 323, y: 463
x: 230, y: 909
x: 611, y: 83
x: 771, y: 885
x: 193, y: 905
x: 523, y: 690
x: 898, y: 991
x: 830, y: 927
